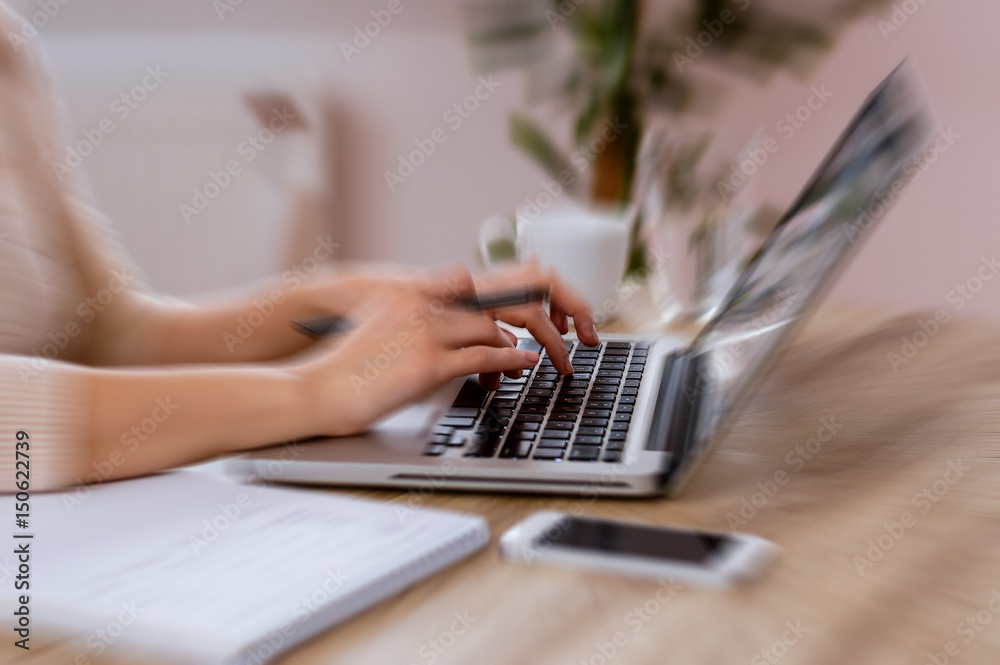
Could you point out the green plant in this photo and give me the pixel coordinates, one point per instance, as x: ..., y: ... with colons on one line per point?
x: 605, y: 59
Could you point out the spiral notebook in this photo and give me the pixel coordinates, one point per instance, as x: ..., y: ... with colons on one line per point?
x: 204, y: 570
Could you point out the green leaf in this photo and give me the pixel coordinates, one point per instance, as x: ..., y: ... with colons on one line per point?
x: 529, y: 137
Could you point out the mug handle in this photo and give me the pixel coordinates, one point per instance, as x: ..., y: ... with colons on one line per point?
x: 497, y: 241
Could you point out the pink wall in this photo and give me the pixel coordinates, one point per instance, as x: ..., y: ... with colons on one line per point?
x: 399, y: 88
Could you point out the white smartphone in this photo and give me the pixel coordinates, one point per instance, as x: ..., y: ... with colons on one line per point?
x: 703, y: 558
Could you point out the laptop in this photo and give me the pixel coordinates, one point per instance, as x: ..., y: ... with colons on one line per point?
x: 639, y: 413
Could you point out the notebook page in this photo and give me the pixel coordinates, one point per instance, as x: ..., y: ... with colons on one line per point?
x: 210, y: 568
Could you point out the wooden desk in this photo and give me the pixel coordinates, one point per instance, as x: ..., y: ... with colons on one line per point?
x: 828, y: 600
x: 899, y: 432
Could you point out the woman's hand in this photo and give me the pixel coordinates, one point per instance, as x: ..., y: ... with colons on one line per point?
x: 410, y: 344
x: 547, y: 328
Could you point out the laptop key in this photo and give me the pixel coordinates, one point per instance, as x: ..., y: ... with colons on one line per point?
x: 516, y: 449
x: 573, y: 392
x: 525, y: 436
x: 615, y: 445
x: 435, y: 450
x: 534, y: 408
x: 448, y: 421
x: 552, y: 443
x: 584, y: 453
x: 570, y: 417
x: 590, y: 431
x: 543, y: 384
x: 566, y: 408
x: 463, y: 412
x: 551, y: 454
x: 593, y: 422
x: 632, y: 392
x: 588, y: 440
x: 550, y: 426
x: 619, y: 427
x: 617, y: 436
x: 596, y: 413
x: 599, y: 404
x: 612, y: 456
x: 625, y: 408
x: 525, y: 426
x: 535, y: 399
x: 631, y: 384
x: 633, y: 376
x: 483, y: 444
x: 626, y: 399
x: 539, y: 392
x: 529, y: 345
x: 609, y: 381
x: 623, y: 417
x: 530, y: 417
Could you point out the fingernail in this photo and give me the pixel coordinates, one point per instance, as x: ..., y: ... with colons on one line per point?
x: 531, y: 356
x: 568, y: 364
x: 593, y: 330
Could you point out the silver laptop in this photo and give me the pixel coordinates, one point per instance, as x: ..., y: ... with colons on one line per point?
x: 639, y: 413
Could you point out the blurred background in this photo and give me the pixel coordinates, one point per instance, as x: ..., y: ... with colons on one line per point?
x: 361, y: 105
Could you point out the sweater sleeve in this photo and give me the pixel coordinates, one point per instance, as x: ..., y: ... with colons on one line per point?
x: 47, y: 403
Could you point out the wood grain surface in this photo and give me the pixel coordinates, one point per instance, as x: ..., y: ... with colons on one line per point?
x: 890, y: 529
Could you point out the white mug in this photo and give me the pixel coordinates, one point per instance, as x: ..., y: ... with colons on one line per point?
x: 587, y: 249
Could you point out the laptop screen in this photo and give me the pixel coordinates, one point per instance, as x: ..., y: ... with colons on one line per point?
x: 857, y: 182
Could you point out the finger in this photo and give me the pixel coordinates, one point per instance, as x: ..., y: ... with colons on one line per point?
x: 447, y: 283
x: 487, y: 359
x: 516, y: 374
x: 568, y: 302
x: 456, y: 329
x: 559, y: 319
x: 491, y: 381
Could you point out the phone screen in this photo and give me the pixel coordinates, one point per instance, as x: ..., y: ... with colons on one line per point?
x: 644, y: 541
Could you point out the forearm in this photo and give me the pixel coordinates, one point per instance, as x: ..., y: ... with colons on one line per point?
x: 147, y: 420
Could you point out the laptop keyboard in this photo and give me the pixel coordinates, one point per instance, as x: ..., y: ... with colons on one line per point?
x: 546, y: 416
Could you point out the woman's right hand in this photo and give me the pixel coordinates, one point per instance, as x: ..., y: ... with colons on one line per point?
x: 410, y: 344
